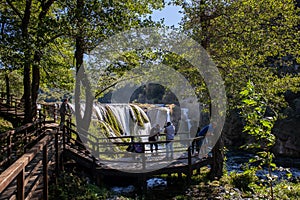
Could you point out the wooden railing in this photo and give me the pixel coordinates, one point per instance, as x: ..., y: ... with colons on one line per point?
x: 28, y: 148
x: 12, y: 105
x: 16, y: 174
x: 15, y: 107
x: 15, y: 143
x: 49, y: 111
x: 102, y: 147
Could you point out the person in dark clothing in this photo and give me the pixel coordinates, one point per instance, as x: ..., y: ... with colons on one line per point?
x: 64, y: 109
x: 199, y: 142
x: 153, y: 137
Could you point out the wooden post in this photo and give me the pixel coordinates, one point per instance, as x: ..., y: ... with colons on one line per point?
x: 56, y: 155
x: 94, y: 170
x: 68, y: 130
x: 55, y: 112
x: 40, y: 118
x: 198, y: 170
x: 142, y: 184
x: 143, y: 157
x: 144, y: 179
x: 16, y: 110
x: 8, y: 148
x: 64, y: 137
x: 179, y: 174
x: 189, y: 175
x: 20, y: 185
x: 25, y: 140
x: 45, y: 173
x: 132, y: 139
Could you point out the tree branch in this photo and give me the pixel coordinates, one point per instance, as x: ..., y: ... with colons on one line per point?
x: 14, y: 9
x: 45, y: 8
x: 110, y: 86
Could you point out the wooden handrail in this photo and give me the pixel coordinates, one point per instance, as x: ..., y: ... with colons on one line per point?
x: 17, y: 167
x: 21, y: 135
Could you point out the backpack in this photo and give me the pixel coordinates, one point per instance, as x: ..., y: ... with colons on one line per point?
x: 137, y: 148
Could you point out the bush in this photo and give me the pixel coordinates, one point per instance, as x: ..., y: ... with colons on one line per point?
x: 282, y: 190
x: 71, y: 186
x: 5, y: 125
x: 243, y: 180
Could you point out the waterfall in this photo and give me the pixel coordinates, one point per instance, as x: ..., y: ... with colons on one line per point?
x: 121, y: 113
x: 185, y: 119
x: 122, y: 119
x: 159, y: 115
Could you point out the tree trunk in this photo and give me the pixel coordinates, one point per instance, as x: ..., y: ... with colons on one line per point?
x: 6, y: 74
x: 26, y: 79
x: 35, y: 88
x: 7, y: 89
x: 79, y: 51
x: 216, y: 171
x: 81, y: 78
x: 37, y: 58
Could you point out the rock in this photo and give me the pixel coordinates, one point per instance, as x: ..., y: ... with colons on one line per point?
x: 287, y: 132
x: 289, y: 112
x: 233, y: 130
x: 297, y: 106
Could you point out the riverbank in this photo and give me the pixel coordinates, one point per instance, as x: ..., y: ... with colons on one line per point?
x: 236, y: 183
x: 233, y: 185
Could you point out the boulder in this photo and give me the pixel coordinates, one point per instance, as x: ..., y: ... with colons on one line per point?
x: 287, y: 132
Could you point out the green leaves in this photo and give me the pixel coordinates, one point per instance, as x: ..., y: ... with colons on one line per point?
x: 249, y: 102
x: 253, y: 108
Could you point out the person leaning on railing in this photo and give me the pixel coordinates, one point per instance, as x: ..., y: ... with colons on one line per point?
x: 153, y: 137
x: 202, y: 145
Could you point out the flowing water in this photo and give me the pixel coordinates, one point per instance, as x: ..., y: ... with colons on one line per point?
x: 236, y: 161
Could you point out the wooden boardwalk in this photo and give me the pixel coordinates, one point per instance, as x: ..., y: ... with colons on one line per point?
x: 27, y: 176
x: 36, y: 154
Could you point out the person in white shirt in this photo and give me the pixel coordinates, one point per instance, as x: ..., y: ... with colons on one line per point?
x: 170, y: 134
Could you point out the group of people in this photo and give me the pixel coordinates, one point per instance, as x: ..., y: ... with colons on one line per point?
x: 169, y: 130
x: 201, y: 143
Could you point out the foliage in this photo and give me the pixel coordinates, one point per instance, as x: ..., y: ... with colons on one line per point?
x: 243, y: 180
x: 5, y: 125
x: 15, y: 80
x: 30, y: 32
x: 242, y: 37
x: 40, y: 37
x: 281, y: 190
x: 253, y: 108
x: 71, y: 186
x: 235, y: 185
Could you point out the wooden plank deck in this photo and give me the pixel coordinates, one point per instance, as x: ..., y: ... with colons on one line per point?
x: 134, y: 165
x: 127, y: 164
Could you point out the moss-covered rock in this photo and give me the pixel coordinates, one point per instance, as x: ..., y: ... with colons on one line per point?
x: 113, y: 122
x: 138, y: 115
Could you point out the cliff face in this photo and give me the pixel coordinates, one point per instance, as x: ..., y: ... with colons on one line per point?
x: 287, y: 130
x: 287, y: 133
